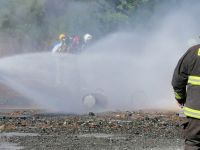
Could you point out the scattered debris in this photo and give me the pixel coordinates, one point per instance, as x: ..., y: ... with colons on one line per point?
x: 127, y: 128
x: 91, y: 114
x: 2, y: 128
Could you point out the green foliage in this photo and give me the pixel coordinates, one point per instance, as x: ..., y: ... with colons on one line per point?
x: 43, y: 20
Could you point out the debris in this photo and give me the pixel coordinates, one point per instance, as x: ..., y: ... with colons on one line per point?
x: 91, y: 114
x: 125, y: 128
x: 2, y: 128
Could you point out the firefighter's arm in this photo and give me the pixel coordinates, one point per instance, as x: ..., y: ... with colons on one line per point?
x: 57, y: 48
x: 180, y: 78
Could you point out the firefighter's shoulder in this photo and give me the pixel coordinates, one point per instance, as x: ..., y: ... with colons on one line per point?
x: 193, y: 50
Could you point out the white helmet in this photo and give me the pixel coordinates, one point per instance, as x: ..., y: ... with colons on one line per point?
x: 87, y: 37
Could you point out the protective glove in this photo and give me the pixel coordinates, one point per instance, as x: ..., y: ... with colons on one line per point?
x: 181, y: 102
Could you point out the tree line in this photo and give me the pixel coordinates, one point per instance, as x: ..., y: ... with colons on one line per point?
x: 39, y: 22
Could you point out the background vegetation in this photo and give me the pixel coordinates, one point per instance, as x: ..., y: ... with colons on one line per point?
x: 32, y: 25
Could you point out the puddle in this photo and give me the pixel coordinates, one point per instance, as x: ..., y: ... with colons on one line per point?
x: 13, y: 146
x: 101, y: 135
x: 96, y: 135
x: 167, y: 148
x: 10, y: 146
x: 11, y: 134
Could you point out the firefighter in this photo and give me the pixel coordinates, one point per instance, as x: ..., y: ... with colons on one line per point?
x: 75, y: 44
x: 60, y: 46
x: 186, y: 85
x: 87, y: 38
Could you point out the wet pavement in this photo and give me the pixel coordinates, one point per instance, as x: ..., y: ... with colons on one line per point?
x: 9, y: 146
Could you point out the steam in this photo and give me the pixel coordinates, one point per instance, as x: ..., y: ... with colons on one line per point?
x: 132, y: 67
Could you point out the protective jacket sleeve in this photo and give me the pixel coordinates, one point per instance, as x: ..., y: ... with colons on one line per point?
x: 180, y: 76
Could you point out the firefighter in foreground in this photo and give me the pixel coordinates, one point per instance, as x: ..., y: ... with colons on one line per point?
x: 186, y: 85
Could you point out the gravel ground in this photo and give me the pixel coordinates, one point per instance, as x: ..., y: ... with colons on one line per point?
x: 33, y: 130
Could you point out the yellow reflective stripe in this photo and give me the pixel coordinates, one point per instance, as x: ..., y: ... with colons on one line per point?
x: 191, y: 112
x: 198, y: 52
x: 194, y: 80
x: 191, y: 115
x: 177, y: 96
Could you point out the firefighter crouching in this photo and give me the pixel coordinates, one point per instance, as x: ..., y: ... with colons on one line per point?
x: 186, y: 85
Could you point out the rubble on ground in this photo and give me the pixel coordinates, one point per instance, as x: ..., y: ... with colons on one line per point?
x: 127, y: 128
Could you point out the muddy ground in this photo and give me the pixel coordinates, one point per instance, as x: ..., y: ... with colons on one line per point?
x: 141, y: 130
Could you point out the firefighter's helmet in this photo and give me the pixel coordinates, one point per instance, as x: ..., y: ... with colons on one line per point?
x: 87, y: 37
x: 61, y: 36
